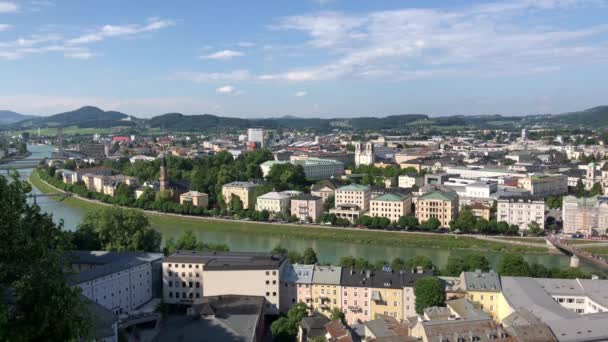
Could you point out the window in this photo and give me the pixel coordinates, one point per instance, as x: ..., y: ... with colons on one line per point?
x: 183, y: 284
x: 570, y: 300
x: 190, y: 284
x: 170, y: 294
x: 189, y: 265
x: 274, y: 294
x: 267, y: 282
x: 267, y: 294
x: 274, y: 282
x: 267, y: 273
x: 198, y: 295
x: 170, y: 284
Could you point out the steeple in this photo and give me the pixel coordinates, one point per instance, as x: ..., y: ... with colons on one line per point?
x: 163, y: 174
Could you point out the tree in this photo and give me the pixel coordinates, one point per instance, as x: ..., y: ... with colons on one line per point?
x: 596, y: 189
x: 466, y: 263
x: 236, y: 204
x: 534, y: 228
x: 280, y: 250
x: 285, y: 328
x: 465, y: 222
x: 337, y: 314
x: 419, y: 261
x: 309, y: 256
x: 432, y: 224
x: 122, y: 230
x: 580, y: 188
x: 287, y: 176
x: 513, y: 265
x: 329, y: 203
x: 408, y: 222
x: 42, y: 305
x: 429, y: 291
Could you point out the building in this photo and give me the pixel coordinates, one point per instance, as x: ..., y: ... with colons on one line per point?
x: 217, y: 319
x: 257, y: 136
x: 317, y: 168
x: 242, y: 190
x: 307, y: 208
x: 303, y: 281
x: 483, y: 290
x: 356, y: 295
x: 119, y: 281
x: 273, y: 202
x: 521, y: 211
x: 481, y: 210
x: 437, y: 178
x: 410, y: 181
x: 391, y: 206
x: 545, y: 185
x: 364, y: 154
x: 352, y: 201
x: 442, y: 205
x: 188, y: 276
x: 326, y: 289
x: 195, y: 198
x: 296, y: 285
x: 325, y: 188
x: 267, y: 165
x: 585, y: 215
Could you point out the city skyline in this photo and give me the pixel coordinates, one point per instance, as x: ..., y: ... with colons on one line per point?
x: 306, y: 58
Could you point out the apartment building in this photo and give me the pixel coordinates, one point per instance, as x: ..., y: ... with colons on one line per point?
x: 296, y: 282
x: 326, y: 289
x: 195, y: 198
x: 483, y: 289
x: 273, y: 202
x: 307, y: 207
x: 189, y: 276
x: 325, y: 188
x: 356, y: 295
x: 410, y: 181
x: 317, y: 168
x: 391, y: 206
x: 119, y: 281
x: 545, y: 185
x: 242, y: 190
x: 521, y: 211
x: 351, y: 201
x: 585, y: 215
x: 481, y: 210
x: 442, y: 205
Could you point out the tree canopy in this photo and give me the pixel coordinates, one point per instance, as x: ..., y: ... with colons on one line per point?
x: 429, y: 292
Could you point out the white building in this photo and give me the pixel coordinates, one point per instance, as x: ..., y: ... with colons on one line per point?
x: 409, y: 181
x: 118, y: 281
x: 256, y: 135
x: 521, y: 211
x: 364, y: 154
x: 188, y: 276
x: 351, y: 201
x: 314, y: 168
x: 585, y: 215
x: 274, y: 202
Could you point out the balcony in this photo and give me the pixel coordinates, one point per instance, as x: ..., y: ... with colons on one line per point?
x: 376, y: 296
x: 354, y: 308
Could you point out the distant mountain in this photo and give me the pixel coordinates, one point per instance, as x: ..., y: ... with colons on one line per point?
x: 85, y: 117
x: 592, y: 117
x: 9, y: 117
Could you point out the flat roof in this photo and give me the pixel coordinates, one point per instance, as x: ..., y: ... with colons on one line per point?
x: 227, y: 260
x: 115, y: 263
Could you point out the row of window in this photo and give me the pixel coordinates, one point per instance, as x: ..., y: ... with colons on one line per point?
x: 196, y: 274
x: 183, y: 265
x: 184, y: 284
x: 185, y: 295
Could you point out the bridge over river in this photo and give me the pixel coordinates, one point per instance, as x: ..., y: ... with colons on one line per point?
x: 563, y: 246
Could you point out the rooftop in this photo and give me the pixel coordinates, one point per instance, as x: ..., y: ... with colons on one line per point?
x: 481, y: 281
x: 241, y: 185
x: 354, y: 187
x: 390, y: 197
x: 439, y: 195
x: 328, y: 275
x: 108, y: 263
x: 227, y: 260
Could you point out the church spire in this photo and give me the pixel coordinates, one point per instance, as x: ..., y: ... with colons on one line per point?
x: 163, y: 174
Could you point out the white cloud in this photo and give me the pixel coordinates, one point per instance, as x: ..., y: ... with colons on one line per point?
x: 202, y: 77
x: 108, y: 31
x: 412, y: 43
x: 4, y: 27
x: 301, y: 93
x: 79, y: 54
x: 228, y: 89
x: 8, y: 7
x: 223, y: 55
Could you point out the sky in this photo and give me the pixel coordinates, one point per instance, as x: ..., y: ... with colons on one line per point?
x: 308, y: 58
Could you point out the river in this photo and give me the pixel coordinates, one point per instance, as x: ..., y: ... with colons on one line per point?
x: 327, y: 250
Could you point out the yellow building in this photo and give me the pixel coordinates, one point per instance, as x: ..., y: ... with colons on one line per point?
x: 483, y: 289
x: 326, y: 289
x: 195, y: 198
x: 387, y: 289
x: 391, y: 206
x: 242, y: 190
x: 442, y: 205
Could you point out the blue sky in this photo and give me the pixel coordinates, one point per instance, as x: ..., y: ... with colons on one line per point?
x: 307, y: 58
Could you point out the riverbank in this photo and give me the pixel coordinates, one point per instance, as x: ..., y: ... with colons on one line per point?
x: 296, y: 231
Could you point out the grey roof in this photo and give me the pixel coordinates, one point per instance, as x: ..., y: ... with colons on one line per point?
x: 524, y: 326
x: 241, y: 184
x: 386, y: 278
x: 227, y: 260
x: 595, y: 289
x: 223, y: 318
x: 328, y: 275
x: 481, y: 281
x: 466, y: 310
x: 115, y: 263
x: 297, y: 273
x: 314, y: 326
x: 305, y: 197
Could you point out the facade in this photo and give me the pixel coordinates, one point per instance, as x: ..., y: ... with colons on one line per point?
x: 273, y: 202
x: 585, y: 215
x: 351, y: 201
x: 317, y: 168
x: 195, y: 198
x: 188, y: 276
x: 326, y: 289
x: 119, y: 281
x: 391, y: 206
x: 545, y: 185
x: 442, y: 205
x: 256, y: 136
x: 483, y: 289
x: 364, y: 154
x: 242, y: 190
x: 307, y: 208
x: 521, y: 211
x: 409, y: 181
x: 267, y: 165
x: 325, y: 188
x: 480, y: 210
x: 303, y: 282
x: 356, y: 295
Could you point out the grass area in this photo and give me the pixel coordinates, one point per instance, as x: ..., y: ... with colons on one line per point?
x: 73, y: 202
x: 520, y: 239
x: 600, y: 251
x: 380, y: 238
x: 585, y: 241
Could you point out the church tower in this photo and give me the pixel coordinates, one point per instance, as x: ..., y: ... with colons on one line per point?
x: 163, y: 175
x: 364, y: 156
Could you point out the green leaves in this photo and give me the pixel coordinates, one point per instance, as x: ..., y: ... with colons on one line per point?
x: 429, y: 292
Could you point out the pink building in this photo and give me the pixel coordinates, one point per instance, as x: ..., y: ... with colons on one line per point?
x: 306, y: 207
x: 355, y: 295
x: 303, y: 283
